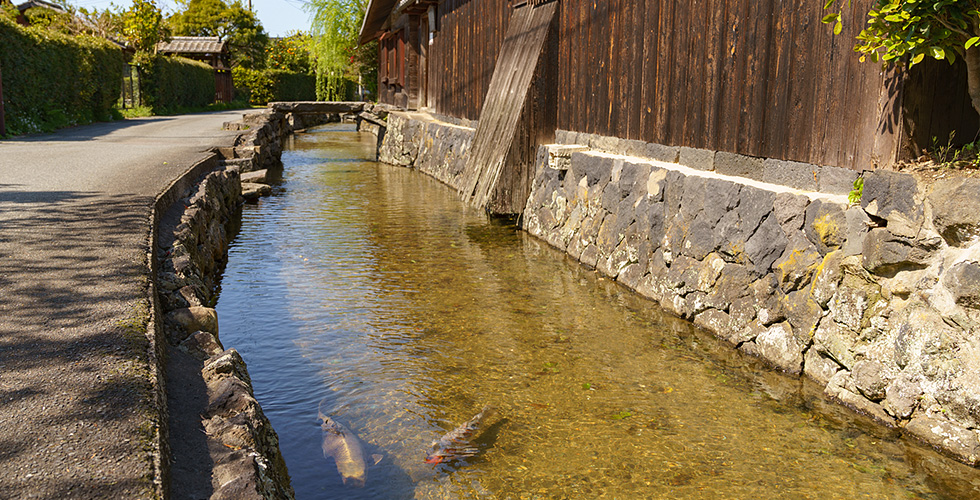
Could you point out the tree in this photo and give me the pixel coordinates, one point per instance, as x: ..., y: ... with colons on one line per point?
x: 232, y: 22
x: 143, y: 28
x: 908, y: 31
x: 290, y: 53
x: 335, y: 28
x: 107, y: 23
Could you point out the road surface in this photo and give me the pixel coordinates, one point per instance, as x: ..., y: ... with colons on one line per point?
x: 75, y: 401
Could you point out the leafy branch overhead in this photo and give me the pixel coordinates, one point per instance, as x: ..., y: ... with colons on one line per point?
x: 143, y: 27
x: 908, y: 31
x: 335, y: 28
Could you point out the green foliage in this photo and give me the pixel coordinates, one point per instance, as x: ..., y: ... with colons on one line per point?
x: 232, y: 22
x: 854, y: 197
x: 339, y: 59
x: 52, y: 80
x: 143, y: 27
x: 144, y: 111
x: 107, y: 23
x: 201, y: 18
x: 42, y: 17
x: 8, y: 11
x: 949, y: 156
x: 291, y: 53
x: 172, y: 82
x: 911, y: 30
x: 264, y: 86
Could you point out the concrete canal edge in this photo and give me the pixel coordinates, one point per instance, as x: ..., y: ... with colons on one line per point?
x: 212, y: 438
x: 877, y: 301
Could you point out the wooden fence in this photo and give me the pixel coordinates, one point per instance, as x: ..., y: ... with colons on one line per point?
x: 758, y: 77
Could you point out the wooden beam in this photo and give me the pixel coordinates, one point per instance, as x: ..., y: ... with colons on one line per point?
x: 505, y: 101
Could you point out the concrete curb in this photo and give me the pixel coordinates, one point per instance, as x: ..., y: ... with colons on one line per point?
x: 157, y: 354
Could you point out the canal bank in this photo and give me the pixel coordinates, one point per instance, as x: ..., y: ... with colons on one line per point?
x: 81, y: 410
x: 216, y: 442
x: 876, y: 301
x: 373, y: 294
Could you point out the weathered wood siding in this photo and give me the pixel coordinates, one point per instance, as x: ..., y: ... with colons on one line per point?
x: 758, y: 77
x: 509, y: 115
x: 463, y: 54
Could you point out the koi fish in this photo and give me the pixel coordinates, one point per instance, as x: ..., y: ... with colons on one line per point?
x: 345, y: 448
x: 457, y: 442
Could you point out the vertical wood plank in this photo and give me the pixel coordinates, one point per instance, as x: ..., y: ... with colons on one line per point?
x: 693, y: 130
x: 714, y: 56
x: 802, y: 77
x: 636, y: 20
x: 826, y: 59
x: 730, y: 84
x: 775, y: 135
x: 677, y: 107
x: 755, y: 112
x: 614, y: 55
x: 650, y: 71
x: 665, y: 59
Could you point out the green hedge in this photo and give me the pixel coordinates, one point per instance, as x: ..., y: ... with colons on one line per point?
x: 264, y: 86
x: 169, y: 83
x: 52, y: 80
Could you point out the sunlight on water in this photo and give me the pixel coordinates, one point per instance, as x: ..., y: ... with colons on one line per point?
x: 373, y: 287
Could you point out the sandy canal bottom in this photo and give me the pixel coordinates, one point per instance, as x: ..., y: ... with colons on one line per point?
x: 371, y: 286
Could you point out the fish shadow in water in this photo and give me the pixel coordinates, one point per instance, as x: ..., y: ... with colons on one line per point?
x: 484, y: 443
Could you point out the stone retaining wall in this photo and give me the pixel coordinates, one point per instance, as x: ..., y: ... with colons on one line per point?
x: 879, y: 302
x: 434, y: 147
x: 242, y: 444
x: 190, y: 244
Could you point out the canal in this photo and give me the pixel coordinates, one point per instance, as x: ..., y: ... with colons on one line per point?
x: 371, y: 289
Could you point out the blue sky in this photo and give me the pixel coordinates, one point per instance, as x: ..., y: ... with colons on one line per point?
x: 279, y: 17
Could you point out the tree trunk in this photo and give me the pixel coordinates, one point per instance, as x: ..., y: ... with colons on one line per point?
x: 972, y: 57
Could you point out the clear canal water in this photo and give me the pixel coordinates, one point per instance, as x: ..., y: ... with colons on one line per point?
x: 372, y: 288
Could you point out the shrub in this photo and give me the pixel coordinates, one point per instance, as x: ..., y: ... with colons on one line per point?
x: 294, y: 86
x: 176, y: 82
x: 261, y: 87
x: 51, y: 80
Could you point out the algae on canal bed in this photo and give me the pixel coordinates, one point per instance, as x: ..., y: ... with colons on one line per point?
x: 374, y: 287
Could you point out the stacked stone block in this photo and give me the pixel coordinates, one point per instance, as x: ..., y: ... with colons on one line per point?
x: 876, y: 301
x: 241, y: 442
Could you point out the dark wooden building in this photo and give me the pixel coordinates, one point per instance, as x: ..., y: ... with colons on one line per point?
x: 763, y: 78
x: 210, y: 50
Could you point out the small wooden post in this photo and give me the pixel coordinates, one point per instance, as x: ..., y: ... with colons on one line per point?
x: 3, y: 123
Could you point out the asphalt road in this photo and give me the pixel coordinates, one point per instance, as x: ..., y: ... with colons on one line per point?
x: 74, y: 220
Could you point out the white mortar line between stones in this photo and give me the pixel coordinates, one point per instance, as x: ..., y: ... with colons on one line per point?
x: 677, y: 167
x: 426, y: 117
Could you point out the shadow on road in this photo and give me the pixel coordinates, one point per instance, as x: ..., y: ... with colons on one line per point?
x: 75, y: 394
x: 88, y: 132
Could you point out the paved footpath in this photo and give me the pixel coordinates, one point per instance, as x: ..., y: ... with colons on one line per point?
x: 74, y: 222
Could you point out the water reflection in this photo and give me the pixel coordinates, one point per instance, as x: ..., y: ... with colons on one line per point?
x: 372, y: 287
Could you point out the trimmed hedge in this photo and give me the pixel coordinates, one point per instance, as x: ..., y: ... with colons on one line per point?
x: 265, y: 86
x: 169, y: 83
x: 52, y: 80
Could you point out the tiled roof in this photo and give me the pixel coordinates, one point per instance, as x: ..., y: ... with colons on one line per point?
x: 374, y: 19
x: 192, y: 45
x: 40, y: 3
